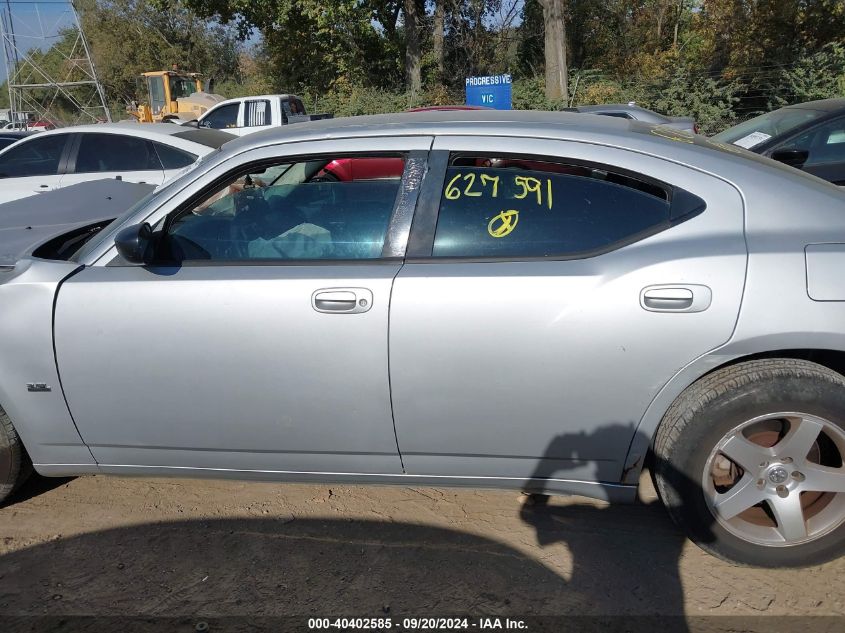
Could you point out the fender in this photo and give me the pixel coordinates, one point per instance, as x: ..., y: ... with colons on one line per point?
x: 30, y: 386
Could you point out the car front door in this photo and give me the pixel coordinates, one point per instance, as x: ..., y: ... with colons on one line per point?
x: 547, y: 297
x: 113, y: 156
x: 32, y: 166
x: 258, y: 342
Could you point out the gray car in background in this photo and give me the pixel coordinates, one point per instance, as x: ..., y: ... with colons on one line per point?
x: 540, y: 302
x: 634, y: 112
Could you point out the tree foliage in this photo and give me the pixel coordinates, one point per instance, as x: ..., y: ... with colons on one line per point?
x: 717, y: 60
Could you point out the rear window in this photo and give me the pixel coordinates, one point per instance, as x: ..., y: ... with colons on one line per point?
x: 516, y: 207
x: 172, y: 158
x: 209, y: 138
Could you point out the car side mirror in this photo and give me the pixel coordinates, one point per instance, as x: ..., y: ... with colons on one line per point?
x: 134, y: 243
x: 791, y: 157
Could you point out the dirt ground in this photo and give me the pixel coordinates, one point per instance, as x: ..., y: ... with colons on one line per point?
x: 109, y: 546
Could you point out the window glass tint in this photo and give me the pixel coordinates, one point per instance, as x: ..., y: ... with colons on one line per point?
x: 257, y: 113
x: 529, y: 208
x: 310, y: 209
x: 38, y: 157
x: 115, y: 152
x: 222, y: 118
x: 172, y: 158
x: 823, y: 144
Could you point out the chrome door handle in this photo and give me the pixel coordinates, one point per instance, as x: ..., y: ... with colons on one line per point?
x: 675, y: 298
x: 342, y: 300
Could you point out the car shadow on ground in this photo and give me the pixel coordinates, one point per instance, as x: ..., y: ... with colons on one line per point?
x: 34, y: 486
x: 624, y: 561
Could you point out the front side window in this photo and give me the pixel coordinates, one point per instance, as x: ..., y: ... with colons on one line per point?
x: 514, y: 207
x: 115, y: 152
x: 222, y: 118
x: 298, y: 210
x: 38, y: 157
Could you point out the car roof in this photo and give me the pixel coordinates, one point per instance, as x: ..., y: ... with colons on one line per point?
x: 282, y: 95
x: 193, y: 140
x: 122, y: 127
x: 825, y: 105
x: 648, y: 138
x: 524, y: 123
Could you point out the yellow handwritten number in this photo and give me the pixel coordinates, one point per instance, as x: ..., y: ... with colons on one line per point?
x: 529, y: 185
x: 503, y: 223
x: 471, y: 179
x: 486, y: 178
x: 452, y: 192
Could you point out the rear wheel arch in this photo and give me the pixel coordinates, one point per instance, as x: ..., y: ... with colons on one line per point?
x: 792, y: 405
x: 639, y: 451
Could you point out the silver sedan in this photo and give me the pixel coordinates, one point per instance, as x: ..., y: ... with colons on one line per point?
x: 541, y: 302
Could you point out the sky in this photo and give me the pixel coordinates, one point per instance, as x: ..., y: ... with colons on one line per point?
x: 35, y: 24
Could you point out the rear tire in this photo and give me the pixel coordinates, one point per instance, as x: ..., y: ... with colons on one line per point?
x: 749, y: 463
x: 15, y: 466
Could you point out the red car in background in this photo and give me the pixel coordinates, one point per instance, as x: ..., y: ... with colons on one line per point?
x: 347, y: 169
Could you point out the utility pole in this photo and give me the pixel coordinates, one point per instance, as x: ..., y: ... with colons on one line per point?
x: 49, y: 70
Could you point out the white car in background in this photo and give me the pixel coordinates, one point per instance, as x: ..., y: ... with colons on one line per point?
x: 245, y: 115
x: 148, y: 153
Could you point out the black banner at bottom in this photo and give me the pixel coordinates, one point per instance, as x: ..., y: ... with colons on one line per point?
x: 408, y: 624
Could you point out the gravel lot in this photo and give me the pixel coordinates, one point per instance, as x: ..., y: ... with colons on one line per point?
x: 109, y: 546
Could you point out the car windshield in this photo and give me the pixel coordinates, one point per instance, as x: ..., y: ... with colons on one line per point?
x: 762, y: 128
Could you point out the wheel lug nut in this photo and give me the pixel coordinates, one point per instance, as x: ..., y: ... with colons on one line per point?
x: 763, y: 464
x: 782, y: 491
x: 798, y: 476
x: 761, y: 483
x: 787, y: 460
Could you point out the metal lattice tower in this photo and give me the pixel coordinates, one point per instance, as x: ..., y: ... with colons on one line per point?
x: 49, y: 69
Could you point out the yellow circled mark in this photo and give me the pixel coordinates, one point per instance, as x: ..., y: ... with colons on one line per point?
x: 508, y: 221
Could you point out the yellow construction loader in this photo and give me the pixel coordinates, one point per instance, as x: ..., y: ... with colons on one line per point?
x: 173, y: 95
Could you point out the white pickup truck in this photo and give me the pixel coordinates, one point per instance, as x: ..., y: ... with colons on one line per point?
x: 245, y: 115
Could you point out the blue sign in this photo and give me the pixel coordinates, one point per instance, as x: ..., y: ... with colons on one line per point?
x: 493, y: 91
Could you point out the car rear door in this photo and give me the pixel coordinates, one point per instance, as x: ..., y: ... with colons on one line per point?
x: 551, y: 289
x: 263, y: 347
